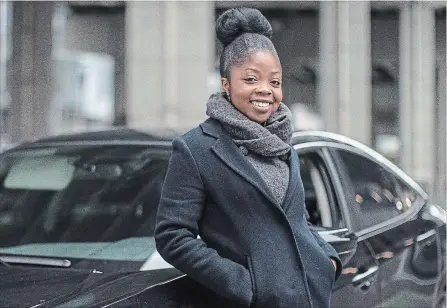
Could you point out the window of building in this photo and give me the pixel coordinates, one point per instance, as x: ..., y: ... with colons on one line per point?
x: 84, y: 90
x: 385, y: 82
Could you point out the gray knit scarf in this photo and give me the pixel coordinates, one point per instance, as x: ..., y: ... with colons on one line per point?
x: 267, y: 144
x: 271, y: 139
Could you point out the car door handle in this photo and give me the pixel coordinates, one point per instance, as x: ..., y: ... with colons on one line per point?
x: 362, y: 280
x: 425, y: 236
x: 334, y: 232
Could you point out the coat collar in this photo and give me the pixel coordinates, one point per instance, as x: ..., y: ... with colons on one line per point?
x: 230, y: 154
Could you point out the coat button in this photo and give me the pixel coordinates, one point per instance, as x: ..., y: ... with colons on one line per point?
x: 243, y: 149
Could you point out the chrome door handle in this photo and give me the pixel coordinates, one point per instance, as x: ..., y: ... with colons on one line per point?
x: 334, y: 232
x: 426, y: 235
x: 363, y: 278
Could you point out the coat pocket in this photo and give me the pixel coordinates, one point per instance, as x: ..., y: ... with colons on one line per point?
x: 253, y: 280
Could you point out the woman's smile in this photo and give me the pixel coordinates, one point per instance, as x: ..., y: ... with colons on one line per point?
x: 261, y: 106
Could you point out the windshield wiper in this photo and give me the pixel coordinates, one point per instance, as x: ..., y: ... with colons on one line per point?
x: 43, y: 261
x: 4, y: 263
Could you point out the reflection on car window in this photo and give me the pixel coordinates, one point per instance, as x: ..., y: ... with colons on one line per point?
x: 378, y: 194
x: 112, y: 194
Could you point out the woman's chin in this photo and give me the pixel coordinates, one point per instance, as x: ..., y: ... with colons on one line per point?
x: 260, y: 119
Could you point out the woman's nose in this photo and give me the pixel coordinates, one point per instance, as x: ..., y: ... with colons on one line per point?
x: 265, y: 90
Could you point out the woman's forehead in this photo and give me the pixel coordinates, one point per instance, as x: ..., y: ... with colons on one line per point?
x: 260, y: 61
x: 250, y: 69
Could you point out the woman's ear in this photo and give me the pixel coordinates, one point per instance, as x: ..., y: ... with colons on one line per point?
x: 225, y: 85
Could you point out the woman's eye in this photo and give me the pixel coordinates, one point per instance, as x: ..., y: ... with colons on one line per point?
x: 276, y: 82
x: 250, y: 79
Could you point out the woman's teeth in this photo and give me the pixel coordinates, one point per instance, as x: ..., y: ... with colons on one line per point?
x: 260, y: 104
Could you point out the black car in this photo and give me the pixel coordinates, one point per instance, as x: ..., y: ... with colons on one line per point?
x: 77, y: 216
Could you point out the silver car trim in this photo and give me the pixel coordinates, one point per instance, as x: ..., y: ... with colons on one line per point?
x: 364, y: 275
x: 426, y: 235
x: 44, y: 261
x: 345, y: 252
x: 144, y: 290
x: 337, y: 231
x: 389, y: 224
x: 369, y: 153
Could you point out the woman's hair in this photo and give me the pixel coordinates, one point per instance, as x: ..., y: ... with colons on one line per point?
x: 242, y: 32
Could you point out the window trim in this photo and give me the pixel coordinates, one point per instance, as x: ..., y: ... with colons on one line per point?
x: 387, y: 165
x: 339, y: 140
x: 333, y: 195
x: 332, y: 176
x: 330, y: 170
x: 321, y: 194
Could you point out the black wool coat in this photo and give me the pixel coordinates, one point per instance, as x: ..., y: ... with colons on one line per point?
x: 250, y: 248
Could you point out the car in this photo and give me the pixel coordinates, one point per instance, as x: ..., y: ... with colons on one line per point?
x: 77, y: 216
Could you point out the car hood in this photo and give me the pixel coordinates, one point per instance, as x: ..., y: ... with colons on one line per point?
x: 50, y: 287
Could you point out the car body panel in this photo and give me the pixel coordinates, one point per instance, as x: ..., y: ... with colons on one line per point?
x: 409, y: 261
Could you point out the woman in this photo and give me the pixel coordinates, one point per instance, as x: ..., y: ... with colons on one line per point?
x: 234, y: 181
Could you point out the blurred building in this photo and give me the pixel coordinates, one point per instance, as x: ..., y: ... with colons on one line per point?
x: 375, y: 71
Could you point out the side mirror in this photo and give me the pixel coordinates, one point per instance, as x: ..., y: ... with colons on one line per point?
x: 344, y: 242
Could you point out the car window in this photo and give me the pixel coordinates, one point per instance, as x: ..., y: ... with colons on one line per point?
x: 319, y: 197
x: 110, y: 194
x: 377, y: 194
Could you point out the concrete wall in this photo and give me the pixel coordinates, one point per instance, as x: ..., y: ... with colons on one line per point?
x: 169, y: 54
x: 30, y: 71
x: 440, y: 177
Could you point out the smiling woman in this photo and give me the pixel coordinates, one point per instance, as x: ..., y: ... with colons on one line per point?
x: 232, y: 213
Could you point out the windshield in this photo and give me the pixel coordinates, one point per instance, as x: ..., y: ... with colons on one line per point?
x: 75, y: 201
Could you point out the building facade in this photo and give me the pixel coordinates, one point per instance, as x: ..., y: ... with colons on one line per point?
x: 374, y: 71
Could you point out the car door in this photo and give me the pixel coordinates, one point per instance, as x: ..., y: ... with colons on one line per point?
x: 386, y: 212
x: 357, y: 286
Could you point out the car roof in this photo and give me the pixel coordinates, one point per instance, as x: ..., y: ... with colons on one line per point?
x: 164, y: 136
x: 125, y: 135
x: 117, y: 135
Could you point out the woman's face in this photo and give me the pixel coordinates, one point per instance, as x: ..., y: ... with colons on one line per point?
x: 256, y: 86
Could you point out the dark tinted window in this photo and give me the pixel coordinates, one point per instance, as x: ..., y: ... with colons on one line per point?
x: 377, y: 194
x: 80, y: 194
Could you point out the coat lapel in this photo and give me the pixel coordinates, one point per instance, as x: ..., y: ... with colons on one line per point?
x: 229, y: 153
x: 294, y: 179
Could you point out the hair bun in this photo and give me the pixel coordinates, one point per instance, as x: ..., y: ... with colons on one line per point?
x: 237, y: 21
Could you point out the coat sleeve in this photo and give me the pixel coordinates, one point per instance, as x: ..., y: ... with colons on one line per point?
x: 180, y: 209
x: 330, y: 251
